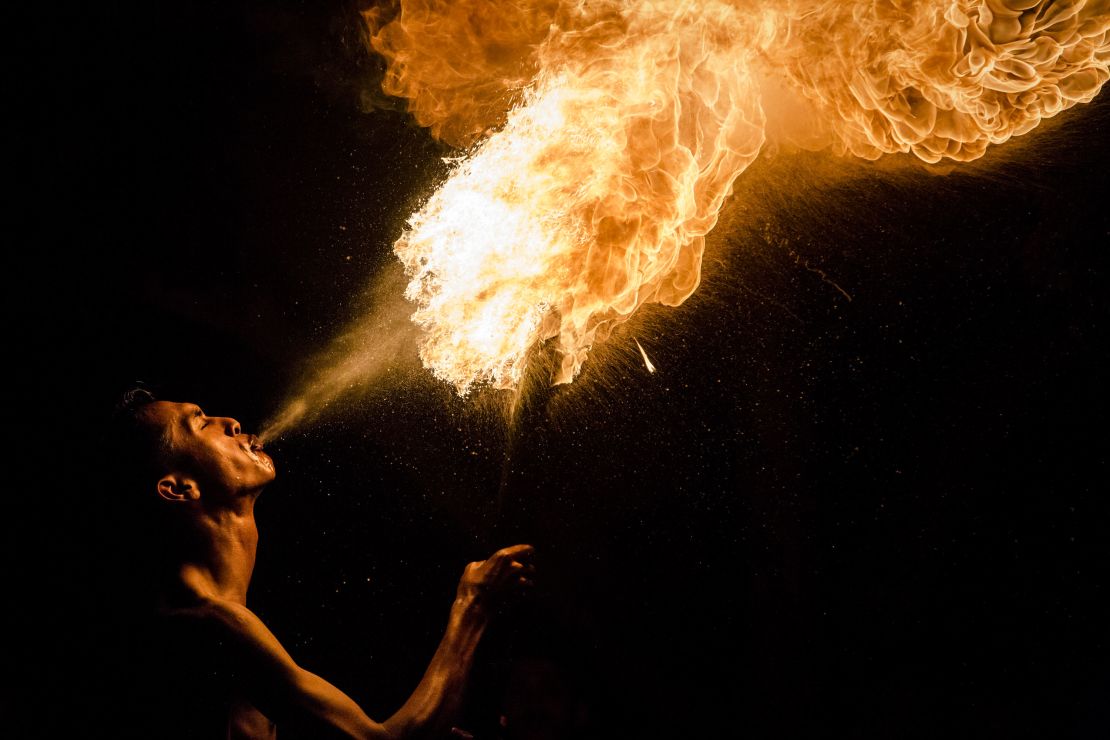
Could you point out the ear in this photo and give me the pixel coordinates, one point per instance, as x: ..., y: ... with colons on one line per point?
x: 177, y: 487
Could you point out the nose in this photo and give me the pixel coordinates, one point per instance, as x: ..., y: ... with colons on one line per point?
x: 231, y: 427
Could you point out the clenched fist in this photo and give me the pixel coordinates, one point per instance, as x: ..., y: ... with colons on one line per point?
x: 486, y: 583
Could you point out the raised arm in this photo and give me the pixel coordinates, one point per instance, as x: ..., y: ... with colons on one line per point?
x: 437, y: 698
x: 291, y: 695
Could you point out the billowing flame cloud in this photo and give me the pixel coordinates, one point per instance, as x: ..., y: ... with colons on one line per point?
x: 604, y: 137
x: 943, y: 79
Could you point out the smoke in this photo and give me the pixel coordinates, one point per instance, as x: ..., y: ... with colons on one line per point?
x: 601, y: 139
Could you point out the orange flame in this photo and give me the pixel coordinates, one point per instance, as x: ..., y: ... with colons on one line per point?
x: 609, y: 135
x: 944, y: 79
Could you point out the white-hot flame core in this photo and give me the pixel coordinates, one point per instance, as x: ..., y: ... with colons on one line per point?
x: 618, y: 129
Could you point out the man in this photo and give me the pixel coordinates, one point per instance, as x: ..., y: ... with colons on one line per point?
x: 212, y: 668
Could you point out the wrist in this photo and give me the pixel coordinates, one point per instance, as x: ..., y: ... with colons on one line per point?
x: 469, y: 610
x: 465, y: 626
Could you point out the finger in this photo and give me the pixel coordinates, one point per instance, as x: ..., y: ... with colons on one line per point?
x: 525, y: 582
x: 522, y: 568
x: 516, y: 552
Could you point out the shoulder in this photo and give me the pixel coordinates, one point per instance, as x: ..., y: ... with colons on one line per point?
x: 213, y: 617
x: 231, y: 628
x: 205, y: 608
x: 201, y: 613
x: 199, y: 631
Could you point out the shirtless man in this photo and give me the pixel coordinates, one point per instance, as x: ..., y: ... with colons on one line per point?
x: 212, y: 668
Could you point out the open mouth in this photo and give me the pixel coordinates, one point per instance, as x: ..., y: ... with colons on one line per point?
x: 253, y: 448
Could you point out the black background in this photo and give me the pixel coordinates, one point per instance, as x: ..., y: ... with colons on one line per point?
x: 884, y: 516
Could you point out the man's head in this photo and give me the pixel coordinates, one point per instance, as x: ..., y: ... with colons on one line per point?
x: 179, y: 454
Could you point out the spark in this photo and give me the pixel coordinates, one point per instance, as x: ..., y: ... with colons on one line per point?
x: 647, y: 362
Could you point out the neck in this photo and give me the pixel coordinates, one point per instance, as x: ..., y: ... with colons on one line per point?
x: 219, y: 555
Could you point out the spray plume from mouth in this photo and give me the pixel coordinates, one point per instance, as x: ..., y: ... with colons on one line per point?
x: 601, y: 139
x: 374, y: 347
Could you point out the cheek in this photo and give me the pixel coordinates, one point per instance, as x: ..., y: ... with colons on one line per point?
x: 230, y: 465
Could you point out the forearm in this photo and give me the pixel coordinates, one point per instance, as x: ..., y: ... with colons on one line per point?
x: 435, y: 703
x: 431, y: 709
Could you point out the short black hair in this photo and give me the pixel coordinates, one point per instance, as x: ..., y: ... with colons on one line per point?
x: 133, y: 451
x: 129, y: 404
x: 134, y: 447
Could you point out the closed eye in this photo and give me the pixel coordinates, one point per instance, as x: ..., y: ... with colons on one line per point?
x: 198, y: 414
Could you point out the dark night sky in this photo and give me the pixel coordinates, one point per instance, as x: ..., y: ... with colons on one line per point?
x: 881, y: 517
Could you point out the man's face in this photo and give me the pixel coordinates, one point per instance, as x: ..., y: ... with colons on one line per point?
x: 212, y: 448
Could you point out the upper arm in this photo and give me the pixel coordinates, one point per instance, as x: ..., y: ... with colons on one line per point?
x: 272, y: 681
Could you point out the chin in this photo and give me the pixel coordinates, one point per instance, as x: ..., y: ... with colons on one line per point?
x: 256, y: 479
x: 265, y: 474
